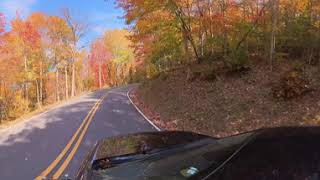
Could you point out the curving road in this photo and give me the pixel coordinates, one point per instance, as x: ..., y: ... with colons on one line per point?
x: 29, y: 147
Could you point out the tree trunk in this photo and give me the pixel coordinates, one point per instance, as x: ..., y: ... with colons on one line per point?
x: 104, y: 78
x: 73, y: 81
x: 66, y: 81
x: 186, y: 48
x: 185, y: 28
x: 201, y: 30
x: 1, y: 89
x: 211, y: 35
x: 100, y: 76
x: 2, y: 103
x: 272, y: 48
x: 224, y: 34
x: 57, y: 86
x: 202, y: 39
x: 38, y: 94
x: 319, y: 62
x: 41, y: 84
x: 274, y: 14
x: 26, y: 83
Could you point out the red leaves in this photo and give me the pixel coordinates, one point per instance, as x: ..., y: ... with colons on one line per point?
x: 99, y: 52
x: 30, y: 35
x: 111, y: 58
x: 99, y: 57
x: 26, y: 32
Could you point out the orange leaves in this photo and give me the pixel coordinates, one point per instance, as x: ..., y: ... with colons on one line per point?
x: 35, y: 58
x: 38, y: 20
x: 58, y: 28
x: 26, y: 32
x: 58, y: 36
x: 30, y: 35
x: 26, y: 47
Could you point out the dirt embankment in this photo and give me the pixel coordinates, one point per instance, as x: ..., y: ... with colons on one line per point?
x: 233, y: 102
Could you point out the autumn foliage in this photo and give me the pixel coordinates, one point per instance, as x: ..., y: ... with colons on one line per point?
x: 169, y: 33
x: 111, y: 59
x: 41, y: 62
x: 99, y: 58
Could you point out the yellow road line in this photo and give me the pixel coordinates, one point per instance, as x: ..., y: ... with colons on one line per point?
x: 67, y: 147
x: 76, y: 146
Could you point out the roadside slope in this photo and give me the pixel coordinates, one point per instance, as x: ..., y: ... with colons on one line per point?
x: 230, y: 104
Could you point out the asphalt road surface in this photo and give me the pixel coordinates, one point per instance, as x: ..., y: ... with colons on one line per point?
x: 30, y: 147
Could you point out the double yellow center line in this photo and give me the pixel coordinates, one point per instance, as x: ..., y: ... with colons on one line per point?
x: 80, y: 133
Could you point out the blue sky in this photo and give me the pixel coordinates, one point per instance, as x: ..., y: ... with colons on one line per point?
x: 99, y: 14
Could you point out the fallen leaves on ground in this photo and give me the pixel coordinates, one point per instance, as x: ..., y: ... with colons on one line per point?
x: 229, y: 105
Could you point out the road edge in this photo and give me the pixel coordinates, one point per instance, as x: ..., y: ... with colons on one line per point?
x: 142, y: 114
x: 40, y: 112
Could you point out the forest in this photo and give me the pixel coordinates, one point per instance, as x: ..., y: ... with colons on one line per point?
x: 42, y: 61
x: 172, y: 32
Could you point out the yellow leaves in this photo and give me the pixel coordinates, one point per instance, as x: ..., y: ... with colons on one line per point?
x: 302, y: 5
x: 296, y: 6
x: 316, y: 11
x: 317, y: 24
x: 18, y: 107
x: 151, y: 71
x: 119, y: 44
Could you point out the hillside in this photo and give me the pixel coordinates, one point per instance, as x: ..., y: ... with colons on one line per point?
x: 232, y: 102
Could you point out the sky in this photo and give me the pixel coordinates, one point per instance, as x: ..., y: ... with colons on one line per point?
x: 100, y: 15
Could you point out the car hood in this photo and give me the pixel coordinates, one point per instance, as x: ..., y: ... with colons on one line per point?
x: 167, y: 154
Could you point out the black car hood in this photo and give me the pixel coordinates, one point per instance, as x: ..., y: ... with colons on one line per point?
x: 136, y: 153
x: 166, y: 154
x: 278, y: 153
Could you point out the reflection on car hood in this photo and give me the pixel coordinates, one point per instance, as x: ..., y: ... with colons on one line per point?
x: 142, y: 143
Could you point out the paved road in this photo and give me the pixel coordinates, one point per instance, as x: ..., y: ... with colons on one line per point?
x: 27, y: 148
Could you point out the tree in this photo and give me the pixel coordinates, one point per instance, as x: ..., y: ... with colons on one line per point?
x: 34, y: 51
x: 111, y: 58
x: 78, y: 30
x: 122, y: 55
x: 99, y: 58
x: 274, y: 6
x: 39, y: 22
x: 26, y: 44
x: 60, y: 51
x: 224, y: 29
